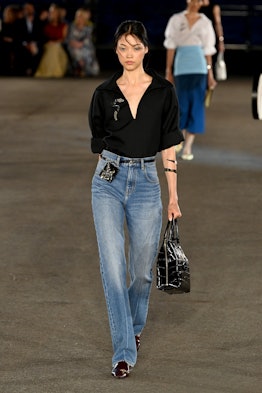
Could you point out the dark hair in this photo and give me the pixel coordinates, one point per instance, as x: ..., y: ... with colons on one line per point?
x: 132, y: 27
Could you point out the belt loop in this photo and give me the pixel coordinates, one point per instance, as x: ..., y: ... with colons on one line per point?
x: 118, y: 160
x: 142, y: 164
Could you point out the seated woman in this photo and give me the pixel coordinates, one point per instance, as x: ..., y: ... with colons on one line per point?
x: 80, y: 45
x: 7, y: 41
x: 54, y: 61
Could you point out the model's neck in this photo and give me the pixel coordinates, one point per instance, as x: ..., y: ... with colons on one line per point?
x: 133, y: 77
x: 191, y: 12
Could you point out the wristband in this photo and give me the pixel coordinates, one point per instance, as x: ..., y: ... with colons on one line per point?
x: 174, y: 161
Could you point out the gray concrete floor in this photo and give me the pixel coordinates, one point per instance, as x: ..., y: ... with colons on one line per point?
x: 54, y: 330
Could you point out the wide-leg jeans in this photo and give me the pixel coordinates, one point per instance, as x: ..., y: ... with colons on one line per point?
x: 134, y: 198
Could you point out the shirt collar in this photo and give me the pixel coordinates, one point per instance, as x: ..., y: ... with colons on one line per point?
x: 157, y: 82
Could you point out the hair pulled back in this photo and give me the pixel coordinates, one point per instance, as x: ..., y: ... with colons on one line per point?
x: 131, y: 27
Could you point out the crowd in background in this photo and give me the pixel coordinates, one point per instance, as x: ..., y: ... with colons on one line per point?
x: 43, y: 43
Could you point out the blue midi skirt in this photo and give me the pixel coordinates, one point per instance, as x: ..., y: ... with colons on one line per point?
x: 191, y: 91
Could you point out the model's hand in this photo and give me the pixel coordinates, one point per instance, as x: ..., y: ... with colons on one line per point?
x: 173, y: 211
x: 211, y: 81
x: 76, y: 44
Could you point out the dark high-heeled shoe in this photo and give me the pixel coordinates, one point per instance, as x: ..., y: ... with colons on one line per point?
x: 121, y: 370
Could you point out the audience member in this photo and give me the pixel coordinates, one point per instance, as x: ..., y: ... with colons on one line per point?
x: 43, y: 16
x: 7, y: 40
x: 80, y: 45
x: 54, y: 61
x: 29, y: 41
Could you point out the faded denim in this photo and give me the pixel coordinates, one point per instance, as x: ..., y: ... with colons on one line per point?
x: 129, y: 205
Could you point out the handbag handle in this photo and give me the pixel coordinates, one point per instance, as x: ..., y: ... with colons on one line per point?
x: 220, y: 57
x: 171, y: 232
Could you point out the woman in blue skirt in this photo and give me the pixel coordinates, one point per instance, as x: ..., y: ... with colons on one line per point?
x: 190, y: 44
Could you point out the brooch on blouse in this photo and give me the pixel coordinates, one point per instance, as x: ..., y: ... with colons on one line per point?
x: 116, y: 106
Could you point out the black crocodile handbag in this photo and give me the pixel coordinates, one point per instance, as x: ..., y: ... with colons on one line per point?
x: 172, y: 266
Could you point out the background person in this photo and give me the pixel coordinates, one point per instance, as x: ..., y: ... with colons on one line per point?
x: 190, y: 44
x: 54, y: 61
x: 7, y: 40
x: 29, y: 41
x: 80, y: 45
x: 133, y: 115
x: 213, y: 12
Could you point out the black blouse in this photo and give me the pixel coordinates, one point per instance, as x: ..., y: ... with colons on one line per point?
x: 155, y: 128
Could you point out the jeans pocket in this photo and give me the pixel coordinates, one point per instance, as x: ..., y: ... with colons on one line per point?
x: 151, y: 173
x: 100, y: 165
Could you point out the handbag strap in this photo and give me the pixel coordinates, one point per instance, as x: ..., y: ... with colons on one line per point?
x: 220, y: 57
x: 171, y: 232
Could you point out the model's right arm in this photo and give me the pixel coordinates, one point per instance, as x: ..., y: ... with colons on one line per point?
x: 96, y: 123
x: 219, y: 28
x: 170, y: 54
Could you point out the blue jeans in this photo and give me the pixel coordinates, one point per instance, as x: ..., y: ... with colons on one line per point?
x: 134, y: 198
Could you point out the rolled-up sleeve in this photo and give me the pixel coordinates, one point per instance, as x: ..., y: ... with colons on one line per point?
x: 170, y: 41
x: 209, y: 40
x: 171, y: 133
x: 95, y: 117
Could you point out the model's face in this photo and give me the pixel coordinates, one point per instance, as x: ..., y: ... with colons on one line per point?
x: 130, y: 51
x: 194, y: 5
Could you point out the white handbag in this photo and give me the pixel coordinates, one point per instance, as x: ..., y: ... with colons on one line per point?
x: 220, y: 68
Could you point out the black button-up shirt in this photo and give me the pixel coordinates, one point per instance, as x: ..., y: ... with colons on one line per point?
x: 155, y: 128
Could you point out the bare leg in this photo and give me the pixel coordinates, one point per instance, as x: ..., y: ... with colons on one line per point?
x: 189, y: 140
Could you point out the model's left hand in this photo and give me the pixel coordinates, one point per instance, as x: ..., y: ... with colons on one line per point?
x: 173, y: 211
x: 211, y: 81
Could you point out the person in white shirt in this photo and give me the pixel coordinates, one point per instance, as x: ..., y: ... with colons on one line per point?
x: 213, y: 11
x: 190, y: 43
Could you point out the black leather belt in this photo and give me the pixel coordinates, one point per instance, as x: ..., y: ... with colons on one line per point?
x: 135, y: 160
x: 132, y: 160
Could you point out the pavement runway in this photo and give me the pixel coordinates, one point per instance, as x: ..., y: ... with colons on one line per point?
x: 54, y: 330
